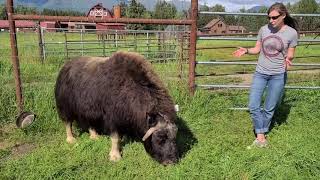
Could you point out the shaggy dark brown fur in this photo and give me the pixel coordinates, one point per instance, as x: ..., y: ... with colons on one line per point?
x: 120, y: 94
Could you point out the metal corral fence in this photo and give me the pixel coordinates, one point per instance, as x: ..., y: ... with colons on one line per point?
x: 152, y: 43
x: 156, y: 46
x: 73, y: 47
x: 305, y: 41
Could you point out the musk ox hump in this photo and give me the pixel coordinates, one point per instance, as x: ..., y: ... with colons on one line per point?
x: 137, y: 67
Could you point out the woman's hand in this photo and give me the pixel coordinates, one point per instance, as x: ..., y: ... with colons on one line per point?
x: 239, y: 52
x: 289, y: 57
x: 288, y: 63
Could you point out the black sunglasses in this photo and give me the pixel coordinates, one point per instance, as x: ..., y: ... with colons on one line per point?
x: 274, y: 17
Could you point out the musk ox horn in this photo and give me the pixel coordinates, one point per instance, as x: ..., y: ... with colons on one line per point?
x: 153, y: 129
x: 164, y: 117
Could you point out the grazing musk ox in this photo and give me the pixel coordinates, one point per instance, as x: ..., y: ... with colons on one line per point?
x: 117, y: 96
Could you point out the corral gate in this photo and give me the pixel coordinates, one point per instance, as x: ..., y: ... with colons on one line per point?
x: 216, y: 62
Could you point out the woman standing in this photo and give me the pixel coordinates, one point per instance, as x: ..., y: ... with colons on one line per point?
x: 276, y: 44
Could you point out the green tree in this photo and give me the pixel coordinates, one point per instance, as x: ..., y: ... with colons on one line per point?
x: 307, y: 7
x: 218, y: 8
x: 3, y: 14
x: 204, y: 19
x: 164, y: 10
x: 53, y: 12
x: 136, y: 10
x: 123, y: 7
x: 252, y: 23
x: 25, y: 10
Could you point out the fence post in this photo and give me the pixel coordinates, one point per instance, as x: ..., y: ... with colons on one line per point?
x: 136, y: 42
x: 104, y: 46
x: 193, y: 46
x: 14, y: 56
x: 148, y: 45
x: 66, y: 44
x: 40, y: 42
x: 181, y: 36
x: 116, y: 38
x: 43, y: 43
x: 81, y: 36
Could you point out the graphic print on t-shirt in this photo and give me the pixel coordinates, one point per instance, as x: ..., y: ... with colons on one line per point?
x: 272, y: 46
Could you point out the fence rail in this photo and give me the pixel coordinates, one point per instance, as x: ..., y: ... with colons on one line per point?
x: 224, y: 37
x: 157, y: 45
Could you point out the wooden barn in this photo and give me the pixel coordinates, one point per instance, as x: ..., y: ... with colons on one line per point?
x: 218, y: 26
x: 21, y: 25
x: 99, y: 11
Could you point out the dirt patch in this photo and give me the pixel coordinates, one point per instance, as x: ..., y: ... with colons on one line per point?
x: 15, y: 148
x: 21, y: 149
x: 4, y: 145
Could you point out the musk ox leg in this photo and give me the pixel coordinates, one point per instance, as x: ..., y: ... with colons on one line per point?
x: 115, y: 150
x: 93, y: 134
x: 70, y: 138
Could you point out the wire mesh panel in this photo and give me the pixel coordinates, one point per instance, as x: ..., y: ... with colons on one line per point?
x: 7, y: 88
x: 46, y: 39
x: 166, y: 50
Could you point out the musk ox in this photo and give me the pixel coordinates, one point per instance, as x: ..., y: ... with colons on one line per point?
x: 116, y: 96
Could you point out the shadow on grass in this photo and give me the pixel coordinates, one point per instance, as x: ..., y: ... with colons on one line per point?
x: 185, y: 138
x: 281, y: 114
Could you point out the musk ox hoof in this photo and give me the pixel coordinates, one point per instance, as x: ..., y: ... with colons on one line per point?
x: 94, y: 137
x: 114, y: 157
x: 93, y: 134
x: 71, y: 140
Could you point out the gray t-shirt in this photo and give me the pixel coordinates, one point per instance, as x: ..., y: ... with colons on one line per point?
x: 274, y: 48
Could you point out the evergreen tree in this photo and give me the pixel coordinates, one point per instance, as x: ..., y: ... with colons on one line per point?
x: 307, y: 7
x: 164, y: 10
x: 204, y: 19
x: 3, y: 14
x: 136, y: 10
x: 123, y: 7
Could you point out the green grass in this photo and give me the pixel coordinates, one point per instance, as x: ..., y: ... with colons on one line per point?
x: 212, y: 139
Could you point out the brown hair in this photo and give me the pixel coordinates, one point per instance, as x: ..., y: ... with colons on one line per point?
x: 288, y: 20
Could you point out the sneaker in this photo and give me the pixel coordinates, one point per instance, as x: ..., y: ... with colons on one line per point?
x: 258, y: 144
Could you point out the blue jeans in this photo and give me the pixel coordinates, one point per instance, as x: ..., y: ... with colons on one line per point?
x: 274, y: 85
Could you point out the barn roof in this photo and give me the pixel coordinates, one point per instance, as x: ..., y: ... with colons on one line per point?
x: 18, y: 23
x: 99, y: 6
x: 212, y: 23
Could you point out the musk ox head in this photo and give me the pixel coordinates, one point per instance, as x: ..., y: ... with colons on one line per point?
x: 160, y: 139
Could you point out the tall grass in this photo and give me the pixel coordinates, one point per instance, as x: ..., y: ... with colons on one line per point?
x: 212, y: 139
